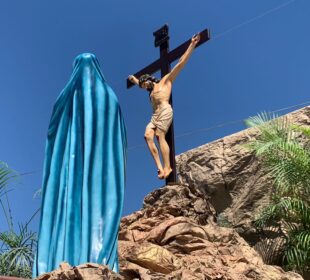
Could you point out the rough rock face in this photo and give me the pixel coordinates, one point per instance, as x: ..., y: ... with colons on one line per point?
x: 89, y: 271
x: 175, y: 237
x: 232, y: 176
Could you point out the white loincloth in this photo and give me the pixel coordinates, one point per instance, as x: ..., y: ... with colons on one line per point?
x: 162, y: 118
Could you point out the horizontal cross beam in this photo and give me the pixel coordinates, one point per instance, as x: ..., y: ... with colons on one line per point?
x: 172, y: 56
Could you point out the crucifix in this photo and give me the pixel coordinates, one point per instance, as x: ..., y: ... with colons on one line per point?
x: 164, y: 65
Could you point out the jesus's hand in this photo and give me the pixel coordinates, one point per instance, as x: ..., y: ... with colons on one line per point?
x: 196, y: 39
x: 133, y: 79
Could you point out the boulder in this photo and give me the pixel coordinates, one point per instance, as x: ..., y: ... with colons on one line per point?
x: 175, y: 236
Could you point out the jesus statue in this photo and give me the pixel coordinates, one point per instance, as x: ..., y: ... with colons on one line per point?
x: 159, y: 93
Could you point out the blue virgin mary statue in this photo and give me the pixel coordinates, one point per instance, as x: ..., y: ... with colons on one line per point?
x: 84, y: 173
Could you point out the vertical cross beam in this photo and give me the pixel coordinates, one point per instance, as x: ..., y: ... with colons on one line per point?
x: 162, y: 41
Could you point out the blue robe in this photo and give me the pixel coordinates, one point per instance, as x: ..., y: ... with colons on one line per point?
x: 84, y: 173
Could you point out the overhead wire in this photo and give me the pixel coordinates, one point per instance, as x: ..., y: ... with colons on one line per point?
x: 222, y: 124
x: 272, y: 10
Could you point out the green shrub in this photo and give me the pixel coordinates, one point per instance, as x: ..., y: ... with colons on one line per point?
x: 284, y: 151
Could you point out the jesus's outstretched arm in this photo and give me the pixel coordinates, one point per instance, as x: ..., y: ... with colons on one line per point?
x: 183, y: 60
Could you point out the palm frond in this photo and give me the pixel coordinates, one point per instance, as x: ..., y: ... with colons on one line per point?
x: 38, y: 193
x: 304, y: 129
x: 7, y: 175
x: 17, y: 251
x: 260, y: 119
x: 289, y: 208
x: 297, y: 254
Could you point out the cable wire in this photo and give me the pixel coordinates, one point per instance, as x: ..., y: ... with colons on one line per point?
x: 252, y: 19
x: 220, y: 125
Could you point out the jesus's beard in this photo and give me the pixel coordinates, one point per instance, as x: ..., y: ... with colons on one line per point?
x: 149, y: 86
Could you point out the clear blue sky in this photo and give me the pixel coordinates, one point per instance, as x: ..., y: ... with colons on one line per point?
x: 262, y: 65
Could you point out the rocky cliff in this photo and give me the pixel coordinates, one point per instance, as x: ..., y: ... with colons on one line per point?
x: 232, y: 176
x: 175, y: 236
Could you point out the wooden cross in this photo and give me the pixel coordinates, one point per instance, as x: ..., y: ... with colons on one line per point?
x: 164, y: 64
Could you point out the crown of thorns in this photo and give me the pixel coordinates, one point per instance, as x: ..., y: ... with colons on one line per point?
x: 144, y: 78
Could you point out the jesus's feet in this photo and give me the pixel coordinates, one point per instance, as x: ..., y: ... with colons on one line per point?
x: 161, y: 174
x: 167, y: 171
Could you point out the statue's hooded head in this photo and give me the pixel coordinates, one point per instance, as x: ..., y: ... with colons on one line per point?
x: 87, y: 60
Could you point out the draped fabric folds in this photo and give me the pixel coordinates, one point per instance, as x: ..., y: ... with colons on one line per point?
x: 84, y: 173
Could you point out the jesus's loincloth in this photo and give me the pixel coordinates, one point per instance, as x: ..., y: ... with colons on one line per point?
x: 162, y: 118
